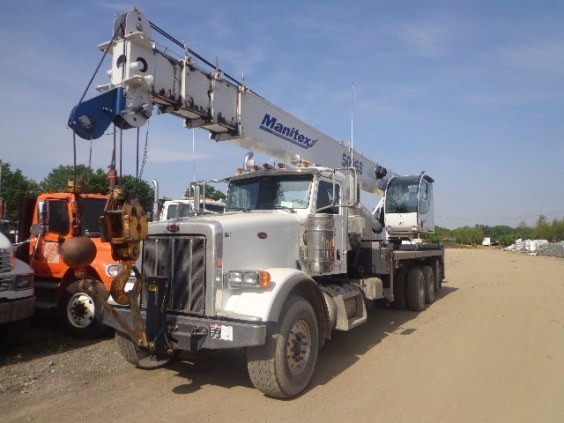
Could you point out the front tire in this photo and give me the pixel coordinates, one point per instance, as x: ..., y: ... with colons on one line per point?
x: 131, y: 352
x: 81, y: 313
x: 283, y: 367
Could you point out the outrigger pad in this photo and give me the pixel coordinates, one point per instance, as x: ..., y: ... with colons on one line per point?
x: 91, y: 118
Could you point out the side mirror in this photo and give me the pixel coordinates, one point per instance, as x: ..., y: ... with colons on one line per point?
x: 353, y: 190
x: 37, y: 229
x: 197, y: 196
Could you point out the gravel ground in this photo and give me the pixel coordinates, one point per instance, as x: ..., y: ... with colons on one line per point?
x: 490, y: 349
x: 47, y: 361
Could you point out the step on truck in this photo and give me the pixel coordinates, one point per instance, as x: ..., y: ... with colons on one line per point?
x: 294, y: 257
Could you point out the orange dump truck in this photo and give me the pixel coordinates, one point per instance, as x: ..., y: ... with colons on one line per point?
x: 48, y: 221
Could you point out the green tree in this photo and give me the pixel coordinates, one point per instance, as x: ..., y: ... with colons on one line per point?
x: 15, y: 186
x: 211, y: 192
x: 440, y: 235
x: 500, y: 231
x: 96, y: 182
x: 542, y: 228
x: 557, y: 228
x: 93, y: 181
x: 506, y: 240
x: 468, y: 236
x: 523, y: 231
x: 141, y: 189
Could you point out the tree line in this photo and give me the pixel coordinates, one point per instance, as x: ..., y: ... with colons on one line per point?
x: 14, y: 185
x: 552, y: 231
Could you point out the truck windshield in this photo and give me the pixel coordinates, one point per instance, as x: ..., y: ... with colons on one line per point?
x: 92, y: 209
x: 401, y: 194
x: 270, y: 192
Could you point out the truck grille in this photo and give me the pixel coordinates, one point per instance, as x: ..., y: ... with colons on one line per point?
x: 5, y: 260
x: 182, y: 260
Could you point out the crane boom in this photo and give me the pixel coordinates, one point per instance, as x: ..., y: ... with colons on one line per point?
x: 142, y: 76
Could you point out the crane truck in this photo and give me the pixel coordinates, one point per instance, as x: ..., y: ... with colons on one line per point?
x: 294, y: 257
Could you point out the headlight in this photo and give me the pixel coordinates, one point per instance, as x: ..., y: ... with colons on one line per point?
x: 247, y: 279
x: 24, y: 282
x: 5, y: 285
x: 112, y: 270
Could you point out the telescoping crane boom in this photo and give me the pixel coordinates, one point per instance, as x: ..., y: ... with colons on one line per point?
x: 295, y: 255
x: 143, y: 77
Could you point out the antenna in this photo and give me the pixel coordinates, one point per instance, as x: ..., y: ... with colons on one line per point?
x: 194, y: 153
x: 351, y: 143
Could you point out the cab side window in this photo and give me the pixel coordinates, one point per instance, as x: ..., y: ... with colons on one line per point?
x: 58, y: 217
x: 325, y: 197
x: 425, y: 198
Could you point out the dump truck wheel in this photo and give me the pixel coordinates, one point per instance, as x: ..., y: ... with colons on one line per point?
x: 429, y: 276
x: 283, y: 367
x: 81, y: 313
x: 415, y: 289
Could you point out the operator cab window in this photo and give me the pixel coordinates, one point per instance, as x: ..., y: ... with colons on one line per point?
x: 401, y: 195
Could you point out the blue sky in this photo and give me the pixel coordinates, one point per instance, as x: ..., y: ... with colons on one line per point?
x: 472, y: 92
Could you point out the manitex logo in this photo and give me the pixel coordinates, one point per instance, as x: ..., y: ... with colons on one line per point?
x: 293, y: 135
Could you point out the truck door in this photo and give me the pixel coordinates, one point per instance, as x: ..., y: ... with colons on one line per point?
x: 328, y: 200
x: 53, y: 215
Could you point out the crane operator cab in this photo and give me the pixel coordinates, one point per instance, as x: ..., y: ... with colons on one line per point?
x: 408, y: 206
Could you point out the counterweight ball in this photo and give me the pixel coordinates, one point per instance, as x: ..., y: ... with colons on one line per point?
x: 78, y: 252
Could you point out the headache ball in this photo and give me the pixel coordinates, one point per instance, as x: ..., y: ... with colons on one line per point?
x: 78, y: 252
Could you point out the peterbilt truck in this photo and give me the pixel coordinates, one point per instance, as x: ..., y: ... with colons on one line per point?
x: 294, y: 257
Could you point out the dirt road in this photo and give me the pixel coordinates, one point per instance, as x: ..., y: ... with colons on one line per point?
x: 490, y: 349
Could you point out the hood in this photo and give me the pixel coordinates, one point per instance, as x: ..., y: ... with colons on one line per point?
x: 257, y: 240
x: 250, y: 241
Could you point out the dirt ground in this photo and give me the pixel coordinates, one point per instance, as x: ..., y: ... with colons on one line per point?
x: 490, y: 349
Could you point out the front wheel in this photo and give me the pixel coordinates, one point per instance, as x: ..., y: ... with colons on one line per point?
x: 81, y: 313
x: 283, y: 367
x: 131, y: 352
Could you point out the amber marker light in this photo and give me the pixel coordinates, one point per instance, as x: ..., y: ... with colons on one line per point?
x: 264, y: 279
